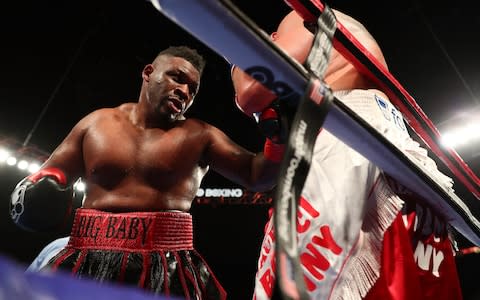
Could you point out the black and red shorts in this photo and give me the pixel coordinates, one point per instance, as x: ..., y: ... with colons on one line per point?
x: 152, y: 250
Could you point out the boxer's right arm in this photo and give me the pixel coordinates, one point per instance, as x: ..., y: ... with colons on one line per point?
x: 43, y: 200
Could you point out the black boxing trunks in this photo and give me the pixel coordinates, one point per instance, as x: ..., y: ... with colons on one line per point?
x: 152, y: 250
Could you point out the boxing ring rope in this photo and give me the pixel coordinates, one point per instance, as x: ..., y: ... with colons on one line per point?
x: 239, y: 40
x: 367, y: 64
x: 16, y: 284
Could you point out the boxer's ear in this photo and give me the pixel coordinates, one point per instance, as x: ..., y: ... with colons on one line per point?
x: 274, y: 36
x: 147, y: 70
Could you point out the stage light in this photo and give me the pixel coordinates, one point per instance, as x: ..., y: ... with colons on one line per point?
x: 11, y: 160
x: 27, y: 159
x: 452, y: 140
x: 22, y: 165
x: 33, y: 167
x: 4, y: 154
x: 462, y: 136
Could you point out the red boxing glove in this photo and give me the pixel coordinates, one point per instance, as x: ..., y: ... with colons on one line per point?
x: 251, y: 96
x: 272, y: 151
x: 274, y: 128
x: 272, y: 124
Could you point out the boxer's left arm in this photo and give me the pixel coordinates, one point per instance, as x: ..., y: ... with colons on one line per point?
x: 254, y: 171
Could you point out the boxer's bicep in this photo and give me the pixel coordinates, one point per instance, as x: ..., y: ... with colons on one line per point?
x: 68, y: 155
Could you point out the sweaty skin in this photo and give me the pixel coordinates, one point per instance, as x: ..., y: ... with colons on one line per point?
x: 146, y: 156
x: 294, y: 39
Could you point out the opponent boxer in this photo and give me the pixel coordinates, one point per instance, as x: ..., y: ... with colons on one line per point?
x: 142, y: 163
x: 361, y: 235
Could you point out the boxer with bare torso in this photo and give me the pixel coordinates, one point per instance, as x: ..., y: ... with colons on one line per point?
x: 142, y: 163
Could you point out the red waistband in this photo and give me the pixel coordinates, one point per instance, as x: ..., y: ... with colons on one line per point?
x: 136, y: 231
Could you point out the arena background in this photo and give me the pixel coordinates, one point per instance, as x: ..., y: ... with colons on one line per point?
x: 59, y: 60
